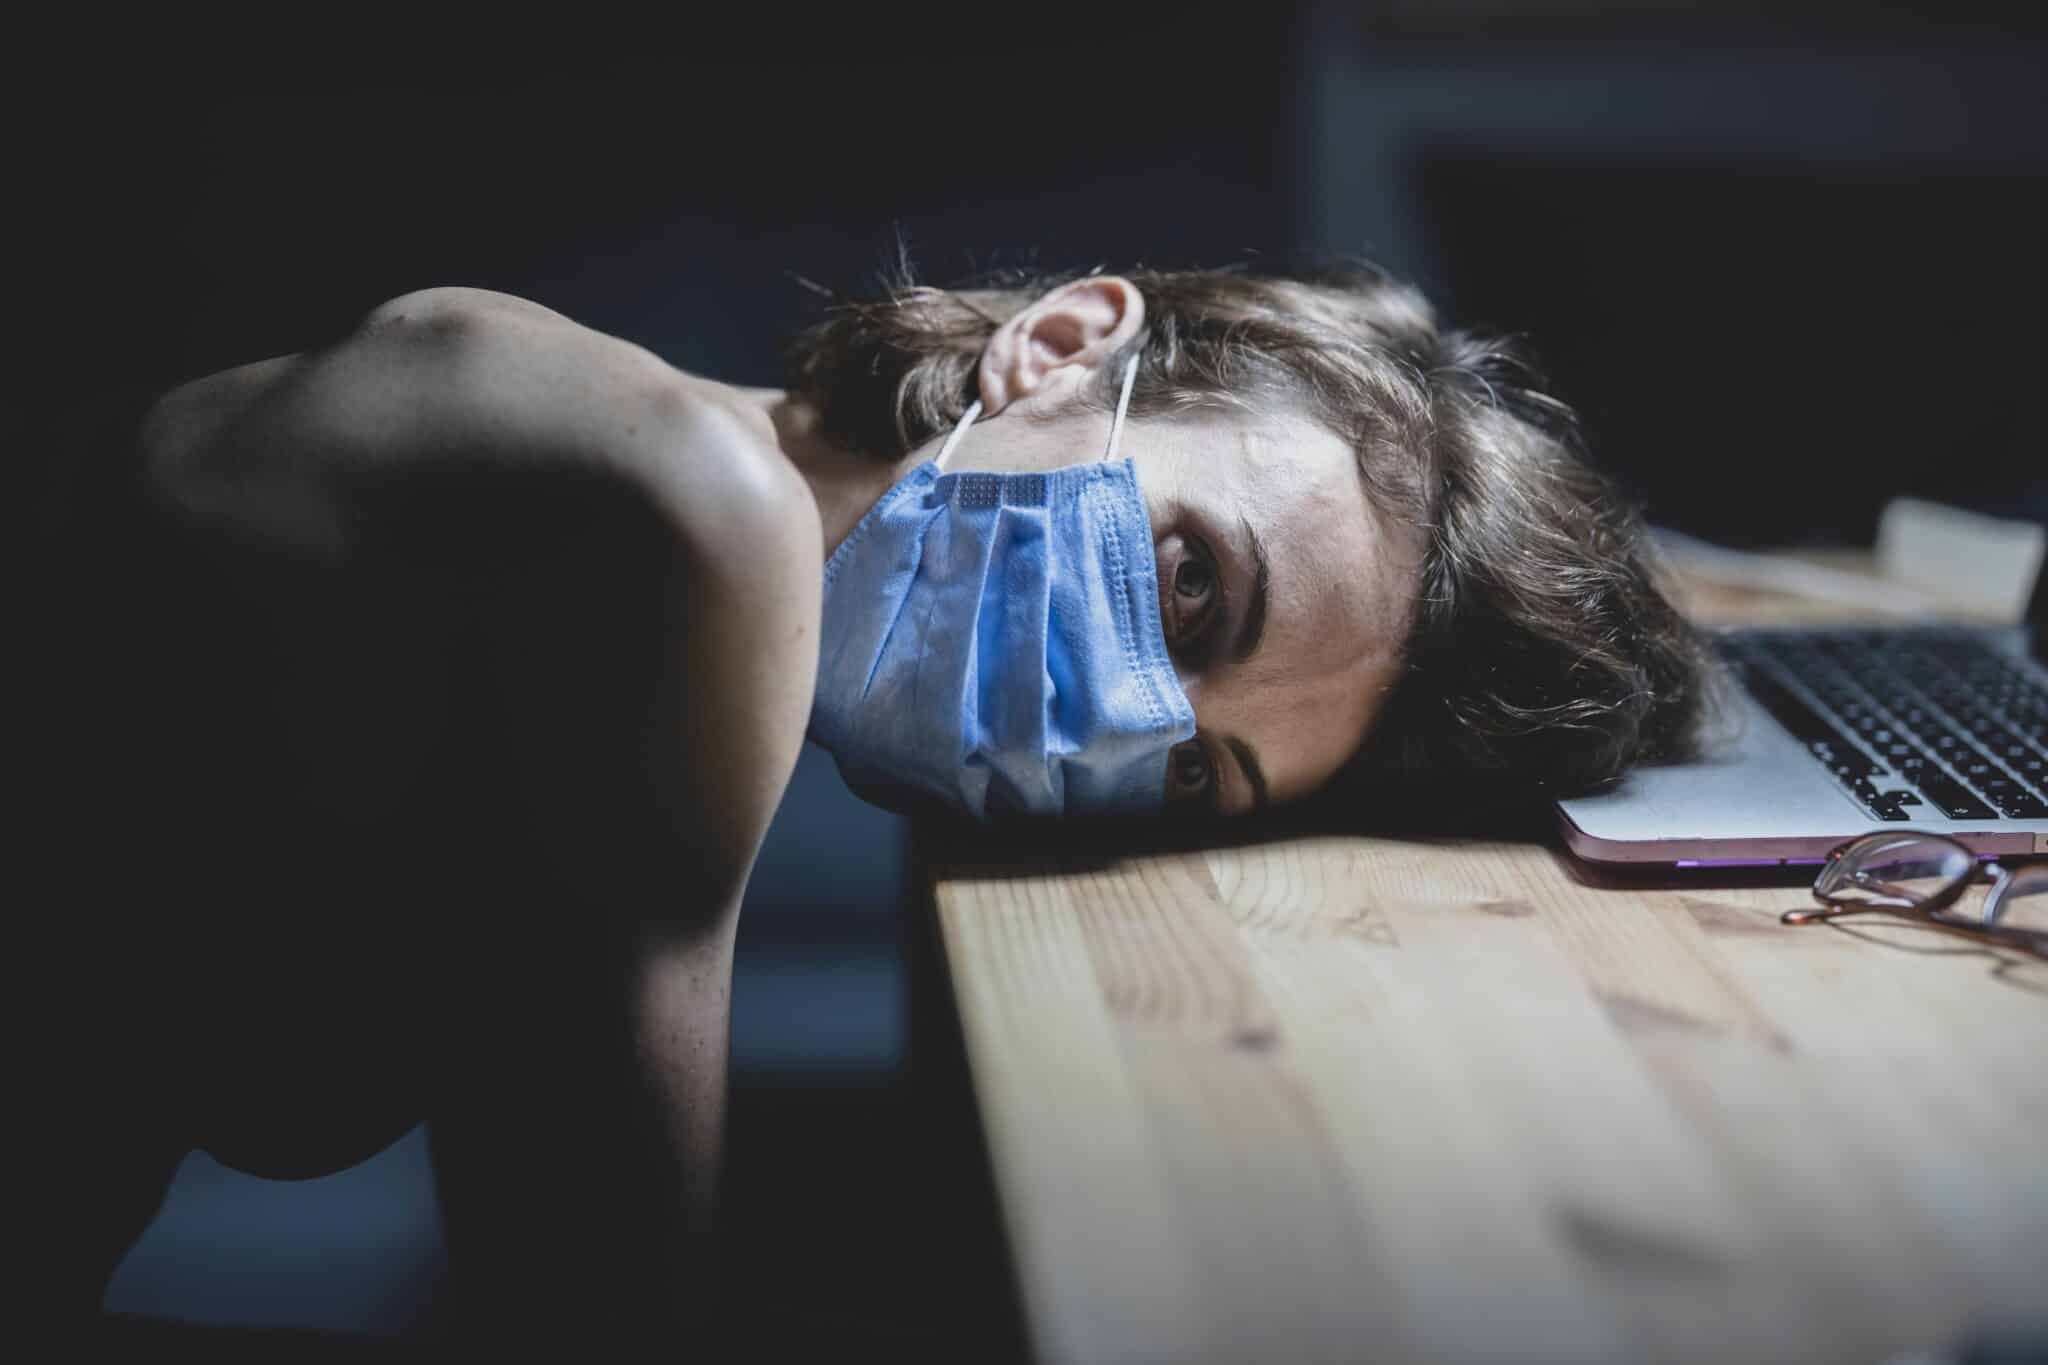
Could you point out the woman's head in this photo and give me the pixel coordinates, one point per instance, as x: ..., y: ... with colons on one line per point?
x: 1383, y: 560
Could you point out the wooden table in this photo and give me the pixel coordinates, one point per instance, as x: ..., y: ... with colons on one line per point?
x: 1338, y: 1097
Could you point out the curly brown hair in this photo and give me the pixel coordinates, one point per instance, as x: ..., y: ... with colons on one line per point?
x: 1544, y: 659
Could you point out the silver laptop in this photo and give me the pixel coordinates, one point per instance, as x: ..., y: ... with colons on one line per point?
x: 1846, y: 731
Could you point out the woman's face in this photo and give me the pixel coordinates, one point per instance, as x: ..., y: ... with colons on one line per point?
x: 1285, y: 593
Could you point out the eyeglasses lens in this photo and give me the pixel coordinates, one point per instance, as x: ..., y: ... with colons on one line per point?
x: 2025, y: 903
x: 1892, y: 870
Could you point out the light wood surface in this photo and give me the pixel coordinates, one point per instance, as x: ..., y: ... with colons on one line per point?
x: 1346, y: 1098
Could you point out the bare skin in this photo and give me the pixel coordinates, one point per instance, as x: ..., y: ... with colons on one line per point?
x: 437, y: 584
x: 547, y: 976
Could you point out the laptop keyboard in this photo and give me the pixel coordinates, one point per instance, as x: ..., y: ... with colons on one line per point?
x: 1914, y: 724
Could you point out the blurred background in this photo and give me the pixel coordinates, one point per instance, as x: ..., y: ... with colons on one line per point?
x: 1784, y: 258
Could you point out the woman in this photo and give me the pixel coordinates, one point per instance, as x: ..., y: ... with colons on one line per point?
x: 413, y: 708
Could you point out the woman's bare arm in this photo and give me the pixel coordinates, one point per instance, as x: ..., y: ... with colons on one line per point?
x: 638, y: 570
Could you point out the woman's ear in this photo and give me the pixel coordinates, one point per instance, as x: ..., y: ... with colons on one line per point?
x: 1057, y: 342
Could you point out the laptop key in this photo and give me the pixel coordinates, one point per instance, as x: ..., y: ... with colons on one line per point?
x: 1951, y: 798
x: 1981, y: 741
x: 1820, y: 736
x: 1882, y: 804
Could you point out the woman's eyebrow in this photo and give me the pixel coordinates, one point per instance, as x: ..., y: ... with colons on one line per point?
x: 1253, y: 628
x: 1248, y: 760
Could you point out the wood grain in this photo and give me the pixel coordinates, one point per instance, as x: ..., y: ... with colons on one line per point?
x: 1334, y: 1098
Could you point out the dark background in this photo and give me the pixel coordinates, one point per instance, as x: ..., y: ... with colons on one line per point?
x: 1785, y: 259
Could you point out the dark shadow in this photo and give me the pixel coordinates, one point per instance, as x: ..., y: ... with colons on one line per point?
x: 2013, y: 966
x: 121, y: 1336
x: 1665, y: 877
x: 749, y: 1331
x: 1034, y: 849
x: 984, y: 1301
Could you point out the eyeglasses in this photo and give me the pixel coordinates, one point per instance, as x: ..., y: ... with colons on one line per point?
x: 1926, y: 874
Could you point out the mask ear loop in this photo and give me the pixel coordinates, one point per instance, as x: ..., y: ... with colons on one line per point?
x: 1123, y: 404
x: 959, y: 430
x: 1116, y: 426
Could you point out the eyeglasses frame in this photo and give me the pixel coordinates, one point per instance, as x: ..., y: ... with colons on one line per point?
x: 1929, y: 908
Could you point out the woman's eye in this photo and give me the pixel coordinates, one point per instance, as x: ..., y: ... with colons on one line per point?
x: 1190, y: 775
x: 1192, y: 592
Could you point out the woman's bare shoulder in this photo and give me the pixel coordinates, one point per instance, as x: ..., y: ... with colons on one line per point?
x: 624, y: 649
x: 187, y: 417
x: 453, y: 376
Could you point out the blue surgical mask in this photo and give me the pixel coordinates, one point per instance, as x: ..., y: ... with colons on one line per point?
x: 992, y: 641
